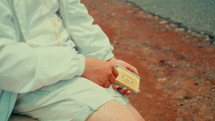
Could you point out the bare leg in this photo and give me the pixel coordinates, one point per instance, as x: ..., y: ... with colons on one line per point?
x: 115, y: 111
x: 134, y: 111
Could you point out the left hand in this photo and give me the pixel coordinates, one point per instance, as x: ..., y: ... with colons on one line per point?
x: 115, y: 61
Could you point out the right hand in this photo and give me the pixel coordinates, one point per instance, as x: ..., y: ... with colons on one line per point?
x: 100, y: 72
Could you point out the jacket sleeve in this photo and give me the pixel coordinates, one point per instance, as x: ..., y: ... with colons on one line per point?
x: 90, y: 39
x: 7, y: 102
x: 24, y: 68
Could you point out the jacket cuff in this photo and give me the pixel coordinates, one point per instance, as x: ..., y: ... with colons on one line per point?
x: 108, y: 56
x: 81, y: 65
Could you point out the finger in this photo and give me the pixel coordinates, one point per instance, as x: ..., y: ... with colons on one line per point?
x: 106, y: 84
x: 115, y: 72
x: 112, y: 79
x: 116, y: 87
x: 123, y: 90
x: 132, y: 69
x: 127, y: 93
x: 136, y: 71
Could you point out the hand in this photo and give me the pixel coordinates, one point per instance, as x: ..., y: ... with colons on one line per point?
x: 101, y: 72
x: 124, y: 90
x: 115, y: 61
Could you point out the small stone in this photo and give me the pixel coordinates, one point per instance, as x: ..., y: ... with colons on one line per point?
x: 179, y: 29
x: 129, y: 11
x: 163, y: 22
x: 115, y: 43
x: 173, y: 25
x: 196, y: 34
x: 165, y: 48
x: 162, y: 79
x: 128, y: 3
x: 164, y: 30
x: 156, y: 17
x: 188, y: 65
x: 182, y: 56
x: 173, y: 65
x: 149, y: 16
x: 207, y: 38
x: 180, y: 98
x: 189, y: 31
x: 113, y: 14
x: 141, y: 15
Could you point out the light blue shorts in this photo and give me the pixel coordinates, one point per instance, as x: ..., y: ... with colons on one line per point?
x: 68, y: 100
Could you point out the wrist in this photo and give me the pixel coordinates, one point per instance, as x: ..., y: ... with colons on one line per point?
x: 112, y: 61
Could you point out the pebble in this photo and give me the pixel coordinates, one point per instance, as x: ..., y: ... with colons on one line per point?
x: 206, y: 38
x: 164, y: 30
x: 163, y: 22
x: 179, y: 29
x: 141, y: 15
x: 165, y: 49
x: 113, y: 14
x: 181, y: 110
x: 173, y: 25
x: 180, y: 98
x: 196, y: 34
x: 162, y: 79
x: 182, y: 56
x: 150, y: 16
x: 129, y: 3
x: 200, y: 90
x: 156, y: 17
x: 188, y: 65
x: 129, y: 11
x: 115, y: 43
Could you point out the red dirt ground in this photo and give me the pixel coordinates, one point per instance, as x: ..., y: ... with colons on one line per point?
x: 177, y: 69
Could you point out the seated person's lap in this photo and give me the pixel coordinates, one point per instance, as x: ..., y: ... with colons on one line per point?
x: 74, y: 99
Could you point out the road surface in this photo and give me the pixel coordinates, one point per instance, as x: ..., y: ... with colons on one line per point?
x: 198, y: 15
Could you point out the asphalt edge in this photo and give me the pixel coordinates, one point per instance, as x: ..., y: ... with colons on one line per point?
x: 178, y: 26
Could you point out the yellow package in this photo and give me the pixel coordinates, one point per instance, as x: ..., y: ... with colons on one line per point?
x: 127, y: 79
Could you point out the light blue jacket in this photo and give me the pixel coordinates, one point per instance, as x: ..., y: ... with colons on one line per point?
x: 7, y: 102
x: 43, y: 42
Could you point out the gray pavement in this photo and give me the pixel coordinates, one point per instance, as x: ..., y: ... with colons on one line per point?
x: 198, y: 15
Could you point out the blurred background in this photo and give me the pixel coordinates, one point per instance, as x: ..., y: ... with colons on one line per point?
x: 197, y: 15
x: 171, y: 42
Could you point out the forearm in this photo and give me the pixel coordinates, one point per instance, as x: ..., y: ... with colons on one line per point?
x: 25, y: 69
